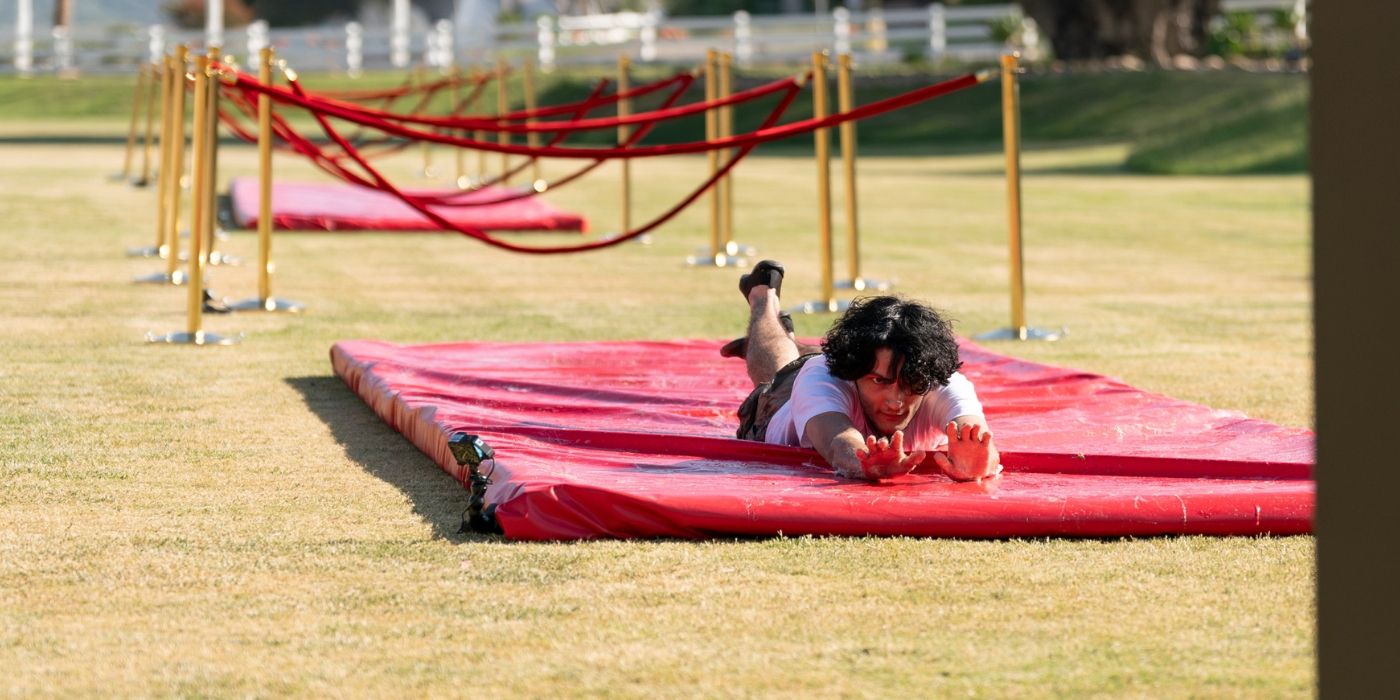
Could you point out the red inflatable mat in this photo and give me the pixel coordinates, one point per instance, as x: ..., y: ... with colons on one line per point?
x: 632, y: 439
x: 313, y: 206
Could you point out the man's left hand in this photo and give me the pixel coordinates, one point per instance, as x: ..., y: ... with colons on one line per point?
x: 970, y: 455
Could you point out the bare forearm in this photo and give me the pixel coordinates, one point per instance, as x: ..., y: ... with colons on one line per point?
x: 841, y: 454
x: 837, y: 442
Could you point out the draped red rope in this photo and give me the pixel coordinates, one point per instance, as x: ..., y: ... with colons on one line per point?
x: 331, y: 162
x: 762, y: 135
x: 322, y: 109
x: 492, y: 123
x: 407, y: 88
x: 477, y: 88
x: 249, y: 108
x: 499, y: 124
x: 485, y: 237
x: 635, y: 137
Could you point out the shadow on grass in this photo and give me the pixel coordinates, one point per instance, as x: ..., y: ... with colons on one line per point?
x: 379, y: 450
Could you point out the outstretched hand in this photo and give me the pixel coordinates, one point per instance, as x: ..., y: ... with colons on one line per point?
x: 884, y: 457
x: 970, y: 455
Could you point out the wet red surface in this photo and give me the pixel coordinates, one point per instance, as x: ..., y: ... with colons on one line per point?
x: 634, y: 439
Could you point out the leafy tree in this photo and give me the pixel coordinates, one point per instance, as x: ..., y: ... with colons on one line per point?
x: 280, y: 13
x: 1149, y: 29
x: 190, y: 14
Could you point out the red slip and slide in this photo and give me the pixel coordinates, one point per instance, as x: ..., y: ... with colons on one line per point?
x: 332, y: 206
x: 634, y: 439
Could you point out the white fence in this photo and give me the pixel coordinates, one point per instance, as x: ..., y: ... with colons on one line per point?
x: 956, y: 33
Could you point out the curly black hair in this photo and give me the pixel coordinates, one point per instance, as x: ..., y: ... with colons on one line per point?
x: 913, y: 332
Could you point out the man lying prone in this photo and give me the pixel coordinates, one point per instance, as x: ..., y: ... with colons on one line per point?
x: 884, y: 381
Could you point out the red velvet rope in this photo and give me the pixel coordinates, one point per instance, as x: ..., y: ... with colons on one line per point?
x: 249, y: 108
x: 331, y: 162
x: 745, y: 143
x: 496, y: 125
x: 470, y: 98
x: 633, y: 138
x: 762, y: 135
x: 485, y: 237
x: 407, y: 88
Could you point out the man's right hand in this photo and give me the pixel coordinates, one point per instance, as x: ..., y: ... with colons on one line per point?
x: 884, y: 458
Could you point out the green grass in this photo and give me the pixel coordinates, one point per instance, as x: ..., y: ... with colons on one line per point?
x: 1253, y: 134
x: 234, y: 521
x: 1175, y: 122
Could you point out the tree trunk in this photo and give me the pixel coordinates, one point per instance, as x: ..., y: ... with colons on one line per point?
x: 62, y: 13
x: 1153, y: 30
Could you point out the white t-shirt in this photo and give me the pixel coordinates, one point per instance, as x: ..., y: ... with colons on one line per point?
x: 816, y: 392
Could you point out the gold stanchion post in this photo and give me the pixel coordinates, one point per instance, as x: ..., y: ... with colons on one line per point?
x: 265, y: 301
x: 845, y: 101
x: 199, y: 206
x: 159, y: 82
x: 1011, y: 139
x: 201, y: 194
x: 480, y: 136
x: 503, y: 106
x: 420, y: 79
x: 726, y: 185
x: 712, y: 130
x: 828, y: 302
x: 152, y: 89
x: 461, y: 155
x: 624, y: 108
x: 177, y: 165
x: 716, y: 255
x: 125, y: 174
x: 172, y: 143
x: 169, y: 78
x: 527, y: 76
x: 213, y: 233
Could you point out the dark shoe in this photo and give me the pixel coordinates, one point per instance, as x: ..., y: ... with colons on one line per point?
x: 767, y: 272
x: 739, y: 347
x: 214, y: 306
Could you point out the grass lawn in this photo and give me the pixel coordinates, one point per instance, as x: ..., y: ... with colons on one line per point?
x: 233, y: 521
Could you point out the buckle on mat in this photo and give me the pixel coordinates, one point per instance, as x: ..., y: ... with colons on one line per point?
x: 471, y: 451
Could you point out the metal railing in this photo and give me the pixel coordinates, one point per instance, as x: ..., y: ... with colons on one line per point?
x: 937, y: 33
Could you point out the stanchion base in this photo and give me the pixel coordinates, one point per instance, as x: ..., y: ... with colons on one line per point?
x: 221, y: 258
x: 820, y: 306
x: 702, y: 258
x: 197, y: 338
x: 644, y: 239
x: 269, y: 304
x: 149, y: 251
x: 862, y: 284
x: 739, y: 249
x: 177, y: 279
x: 1022, y: 333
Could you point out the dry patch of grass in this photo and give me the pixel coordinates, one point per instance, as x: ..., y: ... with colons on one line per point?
x: 234, y: 522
